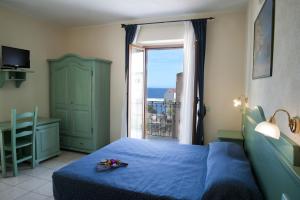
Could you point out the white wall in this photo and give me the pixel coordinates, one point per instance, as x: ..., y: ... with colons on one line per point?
x: 156, y: 32
x: 44, y: 40
x: 224, y: 73
x: 282, y: 89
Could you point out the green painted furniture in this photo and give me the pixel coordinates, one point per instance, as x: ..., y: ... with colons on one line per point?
x: 47, y: 138
x: 275, y: 162
x: 231, y: 136
x: 19, y: 146
x: 80, y: 97
x: 18, y: 76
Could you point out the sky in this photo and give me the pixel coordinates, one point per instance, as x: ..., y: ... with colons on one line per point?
x: 162, y: 66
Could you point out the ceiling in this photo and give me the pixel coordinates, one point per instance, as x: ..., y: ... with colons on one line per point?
x: 92, y: 12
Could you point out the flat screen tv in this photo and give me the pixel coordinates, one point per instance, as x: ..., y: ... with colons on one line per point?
x: 15, y: 58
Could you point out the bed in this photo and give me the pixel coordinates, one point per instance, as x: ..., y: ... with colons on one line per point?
x: 159, y: 170
x: 275, y: 163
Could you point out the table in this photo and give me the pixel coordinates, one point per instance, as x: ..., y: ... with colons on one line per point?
x: 231, y: 136
x: 46, y: 141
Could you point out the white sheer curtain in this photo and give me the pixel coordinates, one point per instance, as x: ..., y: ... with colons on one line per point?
x: 136, y: 93
x: 124, y: 112
x: 124, y: 125
x: 187, y: 99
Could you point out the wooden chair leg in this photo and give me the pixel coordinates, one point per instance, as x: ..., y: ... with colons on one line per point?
x: 3, y: 166
x: 14, y: 162
x: 3, y: 160
x: 33, y: 163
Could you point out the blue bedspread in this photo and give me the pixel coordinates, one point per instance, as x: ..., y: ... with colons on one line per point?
x: 229, y: 174
x: 156, y: 170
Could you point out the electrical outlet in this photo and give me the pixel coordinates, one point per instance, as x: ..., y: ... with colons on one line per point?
x: 284, y: 197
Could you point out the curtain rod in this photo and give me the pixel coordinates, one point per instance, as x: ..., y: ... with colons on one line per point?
x: 183, y: 20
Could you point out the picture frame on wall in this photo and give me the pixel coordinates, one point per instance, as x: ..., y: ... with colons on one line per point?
x: 264, y: 41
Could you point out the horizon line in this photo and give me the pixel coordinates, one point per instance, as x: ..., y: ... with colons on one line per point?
x: 163, y: 87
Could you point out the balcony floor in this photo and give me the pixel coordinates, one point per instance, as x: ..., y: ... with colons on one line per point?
x: 169, y: 139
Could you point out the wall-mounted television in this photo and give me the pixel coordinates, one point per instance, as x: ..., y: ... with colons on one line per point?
x: 15, y: 58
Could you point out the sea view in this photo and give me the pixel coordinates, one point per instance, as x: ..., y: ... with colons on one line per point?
x: 156, y: 93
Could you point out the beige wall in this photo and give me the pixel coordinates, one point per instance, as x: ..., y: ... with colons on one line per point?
x: 104, y: 42
x: 224, y: 73
x: 224, y: 76
x: 282, y: 89
x: 44, y: 41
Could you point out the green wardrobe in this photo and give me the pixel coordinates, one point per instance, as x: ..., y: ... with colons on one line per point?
x: 80, y: 97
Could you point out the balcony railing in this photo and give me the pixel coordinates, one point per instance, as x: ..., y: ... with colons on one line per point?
x: 162, y: 118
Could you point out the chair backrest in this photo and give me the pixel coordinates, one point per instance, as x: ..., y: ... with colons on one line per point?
x: 25, y: 121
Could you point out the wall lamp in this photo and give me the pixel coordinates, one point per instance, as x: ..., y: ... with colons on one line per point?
x: 270, y: 128
x: 240, y: 102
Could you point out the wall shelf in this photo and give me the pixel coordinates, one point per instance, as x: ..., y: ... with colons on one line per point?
x: 18, y: 76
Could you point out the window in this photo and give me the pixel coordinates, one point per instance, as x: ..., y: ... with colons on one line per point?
x: 164, y: 68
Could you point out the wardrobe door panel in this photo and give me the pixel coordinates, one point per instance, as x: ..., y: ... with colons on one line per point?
x: 81, y: 124
x: 59, y: 96
x: 64, y: 124
x: 80, y: 80
x: 60, y: 85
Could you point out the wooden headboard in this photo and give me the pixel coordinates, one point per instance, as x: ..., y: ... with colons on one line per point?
x: 276, y: 163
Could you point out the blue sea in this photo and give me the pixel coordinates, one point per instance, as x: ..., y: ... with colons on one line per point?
x: 156, y: 92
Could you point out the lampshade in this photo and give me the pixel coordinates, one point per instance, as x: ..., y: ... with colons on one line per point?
x: 237, y: 102
x: 268, y: 129
x: 240, y: 102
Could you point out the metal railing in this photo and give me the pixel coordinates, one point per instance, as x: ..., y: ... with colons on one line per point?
x: 161, y: 118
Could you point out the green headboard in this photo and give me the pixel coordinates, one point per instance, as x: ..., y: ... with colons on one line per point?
x: 275, y: 162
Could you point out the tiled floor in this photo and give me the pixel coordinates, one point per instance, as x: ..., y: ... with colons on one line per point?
x: 35, y: 184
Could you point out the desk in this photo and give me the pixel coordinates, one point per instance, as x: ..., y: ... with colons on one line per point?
x: 46, y: 138
x: 5, y: 126
x: 231, y: 136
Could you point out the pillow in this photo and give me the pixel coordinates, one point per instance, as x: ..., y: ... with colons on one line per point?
x: 229, y: 174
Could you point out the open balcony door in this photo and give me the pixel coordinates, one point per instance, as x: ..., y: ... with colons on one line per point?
x: 136, y: 96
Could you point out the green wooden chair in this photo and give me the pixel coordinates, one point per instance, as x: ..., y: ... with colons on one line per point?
x: 20, y: 144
